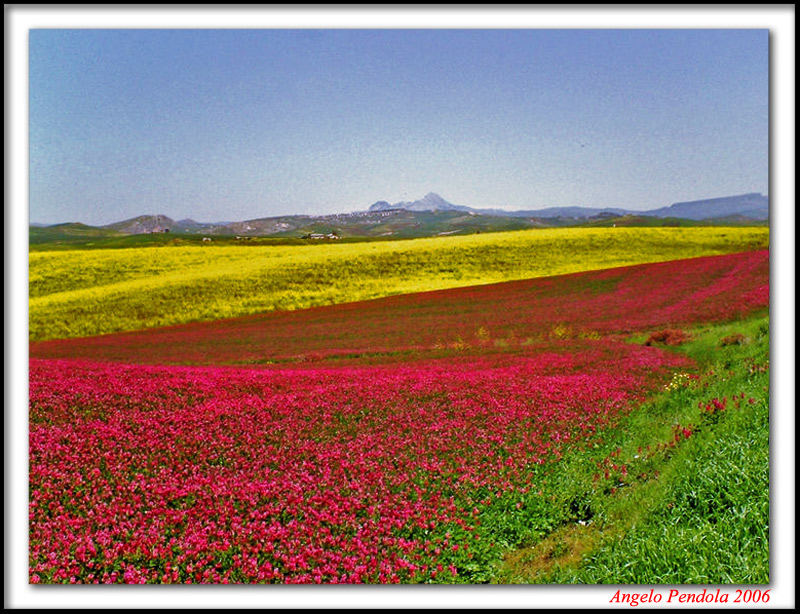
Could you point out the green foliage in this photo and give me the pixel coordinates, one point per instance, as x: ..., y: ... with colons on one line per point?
x: 69, y: 234
x: 696, y: 512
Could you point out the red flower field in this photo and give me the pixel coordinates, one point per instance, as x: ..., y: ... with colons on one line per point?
x: 621, y: 300
x: 373, y: 451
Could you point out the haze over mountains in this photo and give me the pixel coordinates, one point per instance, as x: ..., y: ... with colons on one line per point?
x: 429, y: 216
x: 753, y: 205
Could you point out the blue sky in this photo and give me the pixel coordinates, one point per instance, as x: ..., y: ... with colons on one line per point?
x: 239, y: 124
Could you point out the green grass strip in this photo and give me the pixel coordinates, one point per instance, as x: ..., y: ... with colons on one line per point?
x: 693, y: 513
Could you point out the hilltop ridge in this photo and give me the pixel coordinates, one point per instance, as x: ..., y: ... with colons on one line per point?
x: 431, y: 215
x: 752, y: 205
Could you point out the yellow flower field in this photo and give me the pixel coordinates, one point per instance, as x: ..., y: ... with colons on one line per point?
x: 88, y: 292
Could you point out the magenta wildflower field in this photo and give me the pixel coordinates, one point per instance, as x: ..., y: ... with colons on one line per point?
x: 414, y: 469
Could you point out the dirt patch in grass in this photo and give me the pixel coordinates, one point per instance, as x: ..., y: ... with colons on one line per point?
x: 668, y: 337
x: 563, y: 547
x: 734, y: 339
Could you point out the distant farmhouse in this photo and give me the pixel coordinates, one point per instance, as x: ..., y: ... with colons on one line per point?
x: 319, y: 235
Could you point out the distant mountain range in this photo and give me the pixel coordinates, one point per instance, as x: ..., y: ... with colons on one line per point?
x: 431, y: 215
x: 753, y: 206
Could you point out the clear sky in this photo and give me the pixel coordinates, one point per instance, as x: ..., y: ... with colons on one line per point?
x: 238, y: 124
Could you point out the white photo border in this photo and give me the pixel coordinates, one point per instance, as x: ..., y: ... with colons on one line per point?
x: 779, y: 19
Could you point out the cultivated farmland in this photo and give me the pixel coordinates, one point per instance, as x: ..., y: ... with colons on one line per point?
x: 435, y: 437
x: 588, y: 305
x: 87, y: 292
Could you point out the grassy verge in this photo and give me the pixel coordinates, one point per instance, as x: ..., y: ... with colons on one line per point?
x: 679, y: 494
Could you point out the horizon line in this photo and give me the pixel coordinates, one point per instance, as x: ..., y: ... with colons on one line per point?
x: 754, y: 193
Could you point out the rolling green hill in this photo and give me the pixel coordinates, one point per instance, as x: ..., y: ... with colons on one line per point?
x: 145, y: 231
x: 70, y: 233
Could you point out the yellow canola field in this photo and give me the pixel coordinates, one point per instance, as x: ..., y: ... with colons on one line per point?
x: 87, y: 292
